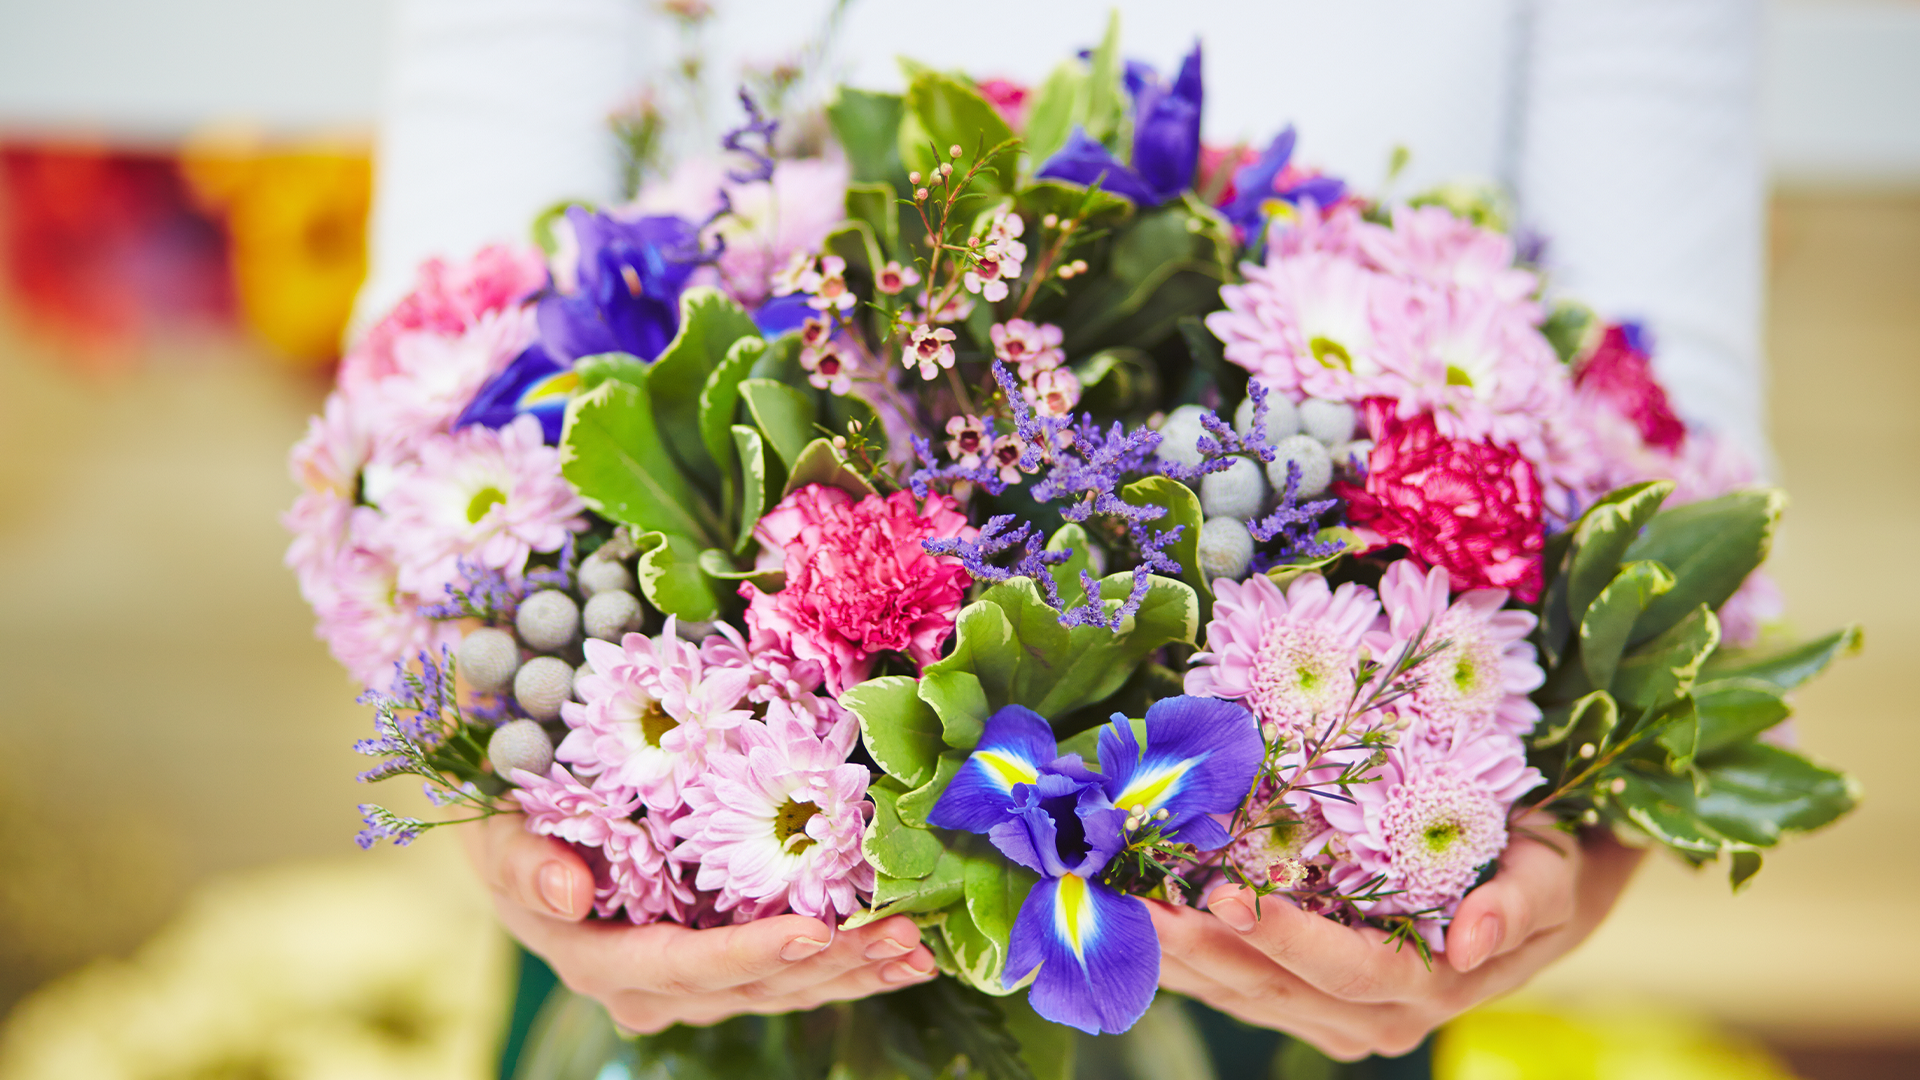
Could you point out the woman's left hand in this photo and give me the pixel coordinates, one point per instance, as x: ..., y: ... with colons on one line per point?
x: 1350, y: 993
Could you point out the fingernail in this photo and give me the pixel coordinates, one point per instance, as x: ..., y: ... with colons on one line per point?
x: 900, y: 971
x: 1487, y: 934
x: 886, y: 948
x: 800, y: 948
x: 1234, y: 913
x: 556, y: 889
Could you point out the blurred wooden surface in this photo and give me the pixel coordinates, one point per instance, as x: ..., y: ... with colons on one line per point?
x: 167, y: 714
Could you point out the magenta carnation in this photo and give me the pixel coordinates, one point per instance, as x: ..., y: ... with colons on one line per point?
x: 777, y: 825
x: 1426, y: 825
x: 1481, y: 680
x: 858, y: 581
x: 1471, y: 507
x: 1622, y: 378
x: 491, y: 497
x: 651, y: 714
x: 1290, y: 657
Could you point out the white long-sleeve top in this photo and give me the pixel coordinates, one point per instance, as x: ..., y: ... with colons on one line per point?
x: 1627, y: 129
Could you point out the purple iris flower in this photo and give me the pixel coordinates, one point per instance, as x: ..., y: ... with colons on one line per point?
x: 1095, y: 947
x: 1255, y: 185
x: 1166, y: 139
x: 534, y: 384
x: 628, y: 300
x: 781, y: 314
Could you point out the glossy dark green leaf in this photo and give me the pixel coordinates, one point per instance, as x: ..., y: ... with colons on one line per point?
x: 1758, y: 793
x: 1660, y: 672
x: 1733, y: 711
x: 1711, y: 547
x: 1593, y: 717
x: 1663, y: 807
x: 1610, y: 617
x: 1602, y: 536
x: 1745, y: 864
x: 1788, y: 668
x: 900, y: 731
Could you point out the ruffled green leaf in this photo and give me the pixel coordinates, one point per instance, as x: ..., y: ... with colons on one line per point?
x: 671, y: 578
x: 710, y: 324
x: 783, y: 414
x: 943, y: 888
x: 995, y: 889
x: 896, y: 849
x: 719, y: 565
x: 1183, y: 510
x: 720, y: 399
x: 901, y: 732
x: 751, y: 453
x: 820, y: 463
x: 915, y: 805
x: 612, y: 452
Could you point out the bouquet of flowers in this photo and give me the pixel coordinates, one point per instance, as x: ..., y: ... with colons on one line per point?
x: 1025, y: 512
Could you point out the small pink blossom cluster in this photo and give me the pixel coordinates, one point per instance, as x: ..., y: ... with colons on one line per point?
x: 392, y: 496
x: 1436, y: 809
x: 706, y: 784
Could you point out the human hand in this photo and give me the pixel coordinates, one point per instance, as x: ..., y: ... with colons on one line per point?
x: 1348, y: 992
x: 652, y: 977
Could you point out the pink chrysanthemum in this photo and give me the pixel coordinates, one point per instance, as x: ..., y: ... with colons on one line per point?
x: 1433, y: 245
x: 1289, y: 656
x: 447, y: 300
x: 775, y: 675
x: 651, y: 714
x: 778, y: 824
x: 1485, y: 373
x: 368, y: 622
x: 490, y: 497
x: 1481, y: 680
x: 1427, y: 826
x: 630, y: 854
x: 429, y: 375
x: 1317, y: 325
x: 858, y: 581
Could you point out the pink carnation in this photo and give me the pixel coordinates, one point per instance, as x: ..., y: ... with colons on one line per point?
x: 1008, y: 98
x: 778, y: 824
x: 489, y: 497
x: 858, y: 581
x: 1480, y: 681
x: 651, y: 714
x: 1427, y: 825
x: 1621, y: 378
x: 1290, y: 657
x: 450, y: 298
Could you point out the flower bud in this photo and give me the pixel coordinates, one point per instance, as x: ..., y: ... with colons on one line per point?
x: 1316, y: 465
x: 520, y: 744
x: 914, y: 178
x: 542, y: 685
x: 1238, y: 491
x: 611, y: 614
x: 954, y: 151
x: 1331, y: 422
x: 547, y: 620
x: 598, y: 575
x: 1226, y: 548
x: 488, y: 658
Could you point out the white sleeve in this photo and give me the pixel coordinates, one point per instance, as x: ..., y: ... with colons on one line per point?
x: 1639, y: 159
x: 494, y: 110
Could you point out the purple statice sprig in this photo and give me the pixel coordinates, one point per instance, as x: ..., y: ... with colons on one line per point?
x: 758, y: 129
x: 420, y: 730
x: 998, y: 536
x: 1221, y: 444
x: 1296, y: 523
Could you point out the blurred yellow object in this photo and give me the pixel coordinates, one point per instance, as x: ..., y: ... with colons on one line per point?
x: 391, y: 967
x: 1515, y: 1041
x: 296, y: 218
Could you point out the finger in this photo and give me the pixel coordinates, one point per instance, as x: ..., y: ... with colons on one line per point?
x: 1350, y: 964
x: 1532, y: 893
x: 882, y: 943
x: 1218, y: 953
x: 538, y: 873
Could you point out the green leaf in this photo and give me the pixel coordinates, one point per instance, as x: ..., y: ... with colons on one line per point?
x: 1732, y: 711
x: 951, y: 113
x: 876, y: 204
x: 945, y: 887
x: 1066, y: 575
x: 710, y: 324
x: 1660, y: 673
x: 720, y: 399
x: 1711, y: 547
x: 1059, y: 102
x: 895, y: 849
x: 820, y: 463
x: 855, y: 242
x: 753, y: 483
x: 902, y: 734
x: 670, y: 576
x: 976, y: 956
x: 1593, y: 716
x: 1662, y: 807
x: 598, y: 368
x: 1610, y: 618
x: 1789, y: 668
x: 1745, y: 865
x: 612, y: 453
x: 1183, y: 509
x: 1047, y: 1047
x: 783, y: 414
x: 1602, y: 536
x: 975, y: 1028
x: 1106, y: 100
x: 1011, y: 644
x: 1679, y: 735
x: 915, y: 805
x: 996, y: 887
x: 718, y: 564
x: 867, y: 126
x: 1756, y: 794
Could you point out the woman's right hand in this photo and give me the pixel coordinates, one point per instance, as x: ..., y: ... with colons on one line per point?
x: 652, y: 977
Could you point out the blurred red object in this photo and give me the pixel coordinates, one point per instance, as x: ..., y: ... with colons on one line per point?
x: 104, y: 246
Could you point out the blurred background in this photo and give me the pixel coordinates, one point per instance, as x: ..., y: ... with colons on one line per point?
x: 184, y: 192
